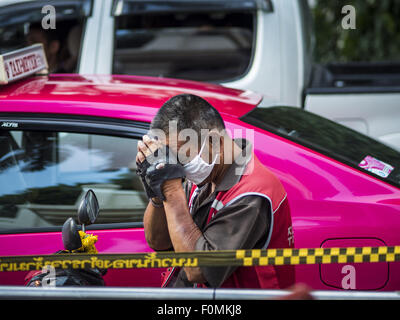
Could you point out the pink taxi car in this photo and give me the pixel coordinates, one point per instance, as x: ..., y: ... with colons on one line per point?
x: 61, y: 135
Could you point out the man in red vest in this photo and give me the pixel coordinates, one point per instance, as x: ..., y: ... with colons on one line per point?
x: 228, y: 200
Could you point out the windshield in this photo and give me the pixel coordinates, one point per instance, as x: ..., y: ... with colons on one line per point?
x: 330, y: 138
x: 21, y: 26
x: 44, y: 175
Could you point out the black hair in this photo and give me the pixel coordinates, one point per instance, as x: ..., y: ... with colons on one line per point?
x: 189, y: 111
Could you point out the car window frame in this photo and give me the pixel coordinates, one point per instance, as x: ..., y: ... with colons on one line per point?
x: 256, y: 29
x: 127, y: 7
x: 84, y: 8
x: 75, y: 124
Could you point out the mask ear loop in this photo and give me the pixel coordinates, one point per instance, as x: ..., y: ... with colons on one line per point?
x: 202, y: 146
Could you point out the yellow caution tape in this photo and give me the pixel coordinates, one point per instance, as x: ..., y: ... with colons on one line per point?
x: 221, y: 258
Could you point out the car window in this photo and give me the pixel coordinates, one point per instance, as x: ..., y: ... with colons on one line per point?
x: 205, y: 46
x: 45, y: 174
x: 330, y: 138
x: 21, y: 25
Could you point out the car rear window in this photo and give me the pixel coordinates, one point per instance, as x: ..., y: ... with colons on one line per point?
x: 331, y: 139
x: 355, y: 45
x: 213, y: 46
x: 21, y: 25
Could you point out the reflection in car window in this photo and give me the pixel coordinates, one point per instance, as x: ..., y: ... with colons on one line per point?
x: 215, y: 46
x: 330, y: 138
x: 367, y: 56
x: 45, y: 174
x: 61, y: 45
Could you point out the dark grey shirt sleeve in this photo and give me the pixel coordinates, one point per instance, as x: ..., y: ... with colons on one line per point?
x: 244, y: 224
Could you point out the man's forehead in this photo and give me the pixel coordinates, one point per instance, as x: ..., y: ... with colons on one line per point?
x: 173, y: 138
x: 176, y: 139
x: 173, y: 142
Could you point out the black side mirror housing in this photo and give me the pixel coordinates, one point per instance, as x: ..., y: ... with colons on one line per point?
x: 70, y: 235
x: 88, y: 210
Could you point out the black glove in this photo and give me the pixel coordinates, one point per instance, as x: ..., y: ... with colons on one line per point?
x: 141, y: 170
x: 162, y: 167
x: 156, y: 169
x: 159, y: 172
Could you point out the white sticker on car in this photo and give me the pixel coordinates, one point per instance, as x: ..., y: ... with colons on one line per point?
x: 376, y: 166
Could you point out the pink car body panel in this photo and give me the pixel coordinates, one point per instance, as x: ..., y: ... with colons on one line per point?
x: 330, y: 200
x: 110, y: 241
x: 332, y: 204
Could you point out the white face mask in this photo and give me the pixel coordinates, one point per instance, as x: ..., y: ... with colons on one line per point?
x: 197, y: 170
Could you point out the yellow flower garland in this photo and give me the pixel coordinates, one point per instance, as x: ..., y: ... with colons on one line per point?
x: 88, y: 241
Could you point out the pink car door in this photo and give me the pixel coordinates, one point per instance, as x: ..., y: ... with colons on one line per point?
x: 46, y: 167
x: 343, y: 191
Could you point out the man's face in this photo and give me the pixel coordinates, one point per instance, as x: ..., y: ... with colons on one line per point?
x: 36, y: 36
x: 208, y: 148
x: 209, y: 152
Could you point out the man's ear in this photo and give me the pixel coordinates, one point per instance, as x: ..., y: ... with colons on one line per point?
x: 216, y: 142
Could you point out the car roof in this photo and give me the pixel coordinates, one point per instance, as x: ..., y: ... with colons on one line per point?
x: 115, y: 96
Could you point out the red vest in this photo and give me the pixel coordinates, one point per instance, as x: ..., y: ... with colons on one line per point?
x: 258, y: 180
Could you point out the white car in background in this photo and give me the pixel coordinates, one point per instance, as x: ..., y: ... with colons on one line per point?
x: 258, y: 45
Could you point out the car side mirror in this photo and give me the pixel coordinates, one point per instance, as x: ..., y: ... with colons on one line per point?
x: 88, y: 210
x: 70, y: 235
